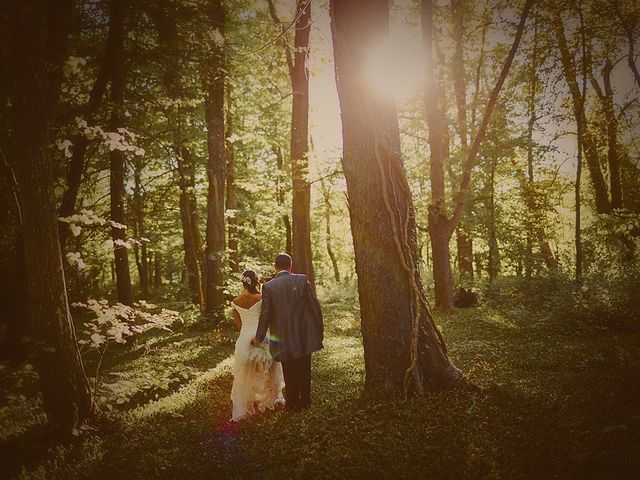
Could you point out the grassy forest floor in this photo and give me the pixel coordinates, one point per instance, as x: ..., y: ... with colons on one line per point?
x: 551, y: 397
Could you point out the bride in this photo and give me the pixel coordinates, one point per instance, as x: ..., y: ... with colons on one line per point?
x: 257, y: 379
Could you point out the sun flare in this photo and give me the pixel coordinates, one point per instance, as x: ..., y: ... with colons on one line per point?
x: 395, y: 66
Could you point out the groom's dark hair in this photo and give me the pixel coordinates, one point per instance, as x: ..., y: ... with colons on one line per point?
x: 283, y: 261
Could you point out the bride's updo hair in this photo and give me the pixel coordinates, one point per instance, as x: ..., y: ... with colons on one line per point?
x: 250, y: 281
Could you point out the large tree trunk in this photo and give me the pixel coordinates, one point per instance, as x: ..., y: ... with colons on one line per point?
x: 589, y: 144
x: 213, y: 83
x: 65, y: 388
x: 404, y: 351
x: 117, y: 162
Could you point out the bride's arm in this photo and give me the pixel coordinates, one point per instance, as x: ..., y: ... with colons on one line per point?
x: 265, y: 315
x: 236, y: 319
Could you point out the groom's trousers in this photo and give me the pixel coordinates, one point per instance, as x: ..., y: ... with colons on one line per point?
x: 297, y: 379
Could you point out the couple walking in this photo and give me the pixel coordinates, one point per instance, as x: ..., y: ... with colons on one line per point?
x: 280, y: 326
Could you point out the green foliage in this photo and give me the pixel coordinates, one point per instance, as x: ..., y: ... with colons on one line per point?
x: 547, y: 397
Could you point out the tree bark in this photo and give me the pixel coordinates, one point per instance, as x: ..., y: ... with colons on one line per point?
x: 628, y: 30
x: 157, y: 270
x: 493, y: 264
x: 301, y: 201
x: 612, y: 137
x: 464, y: 243
x: 438, y: 143
x: 232, y: 201
x: 140, y: 251
x: 441, y: 226
x: 64, y: 385
x: 404, y: 351
x: 286, y: 221
x: 117, y: 160
x: 326, y: 195
x: 590, y: 147
x: 301, y: 198
x: 213, y: 83
x: 533, y: 229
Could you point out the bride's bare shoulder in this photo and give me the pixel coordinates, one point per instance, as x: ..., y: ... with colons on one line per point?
x: 247, y: 300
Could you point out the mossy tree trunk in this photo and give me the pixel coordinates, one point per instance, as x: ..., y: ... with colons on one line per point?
x: 404, y: 351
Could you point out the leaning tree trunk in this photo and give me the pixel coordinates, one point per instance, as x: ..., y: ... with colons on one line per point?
x: 65, y: 388
x: 117, y: 160
x: 588, y: 141
x: 404, y: 351
x: 213, y: 83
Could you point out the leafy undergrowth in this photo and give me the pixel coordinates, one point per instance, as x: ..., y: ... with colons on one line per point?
x: 552, y: 398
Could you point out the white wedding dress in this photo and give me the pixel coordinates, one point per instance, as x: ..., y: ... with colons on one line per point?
x: 257, y: 380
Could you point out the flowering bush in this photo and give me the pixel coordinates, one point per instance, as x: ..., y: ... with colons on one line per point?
x: 112, y: 324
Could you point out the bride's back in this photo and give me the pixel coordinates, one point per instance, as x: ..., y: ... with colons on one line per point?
x: 248, y: 307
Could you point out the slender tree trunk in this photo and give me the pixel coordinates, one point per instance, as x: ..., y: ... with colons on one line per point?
x: 164, y: 17
x: 213, y: 84
x: 286, y: 221
x: 327, y: 218
x: 439, y: 229
x: 612, y: 138
x: 81, y: 142
x: 493, y: 267
x: 534, y: 231
x: 65, y: 388
x: 117, y: 161
x: 301, y: 202
x: 464, y: 243
x: 404, y: 351
x: 590, y: 147
x: 628, y: 30
x: 140, y: 251
x: 232, y: 202
x: 157, y: 270
x: 579, y: 103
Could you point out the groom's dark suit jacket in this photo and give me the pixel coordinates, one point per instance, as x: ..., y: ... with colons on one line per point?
x: 291, y: 312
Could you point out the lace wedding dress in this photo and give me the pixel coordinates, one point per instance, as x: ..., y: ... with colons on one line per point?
x: 257, y: 379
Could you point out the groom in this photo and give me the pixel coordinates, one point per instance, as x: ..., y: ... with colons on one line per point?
x: 291, y: 312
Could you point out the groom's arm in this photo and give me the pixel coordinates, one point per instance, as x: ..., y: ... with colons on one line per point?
x: 265, y: 314
x: 315, y: 308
